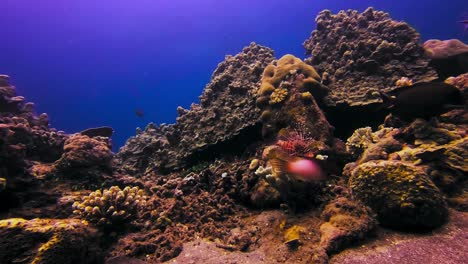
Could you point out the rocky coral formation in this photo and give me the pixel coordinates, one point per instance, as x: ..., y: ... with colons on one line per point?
x: 359, y: 54
x: 448, y: 57
x: 84, y: 157
x: 45, y: 241
x: 359, y: 141
x: 346, y: 221
x: 25, y: 139
x: 198, y: 205
x: 401, y: 194
x: 284, y: 98
x: 437, y: 147
x: 259, y: 138
x: 292, y: 118
x: 225, y: 118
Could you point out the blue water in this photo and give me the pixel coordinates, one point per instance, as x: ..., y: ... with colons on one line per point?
x: 89, y: 63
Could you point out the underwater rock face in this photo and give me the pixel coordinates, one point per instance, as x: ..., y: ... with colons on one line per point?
x: 448, y: 57
x: 48, y: 241
x: 401, y: 194
x: 346, y: 221
x: 24, y: 139
x: 82, y: 151
x: 288, y: 95
x: 23, y: 134
x: 358, y: 54
x: 226, y: 110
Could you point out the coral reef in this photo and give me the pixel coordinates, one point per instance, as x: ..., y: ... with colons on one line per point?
x: 401, y: 194
x: 25, y: 139
x: 253, y: 173
x: 437, y: 147
x: 225, y: 116
x: 358, y: 54
x: 448, y: 57
x: 47, y: 241
x: 284, y: 84
x: 299, y: 125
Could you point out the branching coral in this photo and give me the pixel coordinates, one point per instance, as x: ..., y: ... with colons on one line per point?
x: 112, y: 206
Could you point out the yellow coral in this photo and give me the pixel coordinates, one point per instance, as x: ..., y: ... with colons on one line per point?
x: 286, y: 65
x: 307, y: 96
x: 278, y: 96
x: 293, y: 234
x: 43, y: 240
x: 404, y: 81
x: 111, y: 206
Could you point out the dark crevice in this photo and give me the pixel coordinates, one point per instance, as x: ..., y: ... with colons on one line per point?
x: 235, y: 146
x: 347, y: 119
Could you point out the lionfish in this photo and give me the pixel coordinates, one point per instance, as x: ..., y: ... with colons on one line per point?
x: 294, y: 156
x: 297, y: 142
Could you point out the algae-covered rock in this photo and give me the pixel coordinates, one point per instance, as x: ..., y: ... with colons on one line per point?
x: 293, y: 235
x: 44, y: 241
x: 346, y: 221
x: 401, y: 194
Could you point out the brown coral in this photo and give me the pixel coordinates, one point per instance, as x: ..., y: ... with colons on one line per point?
x: 364, y: 52
x: 346, y: 221
x: 227, y: 111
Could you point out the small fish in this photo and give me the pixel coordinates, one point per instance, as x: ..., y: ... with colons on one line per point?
x: 139, y: 112
x: 464, y: 22
x: 104, y: 131
x: 425, y: 99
